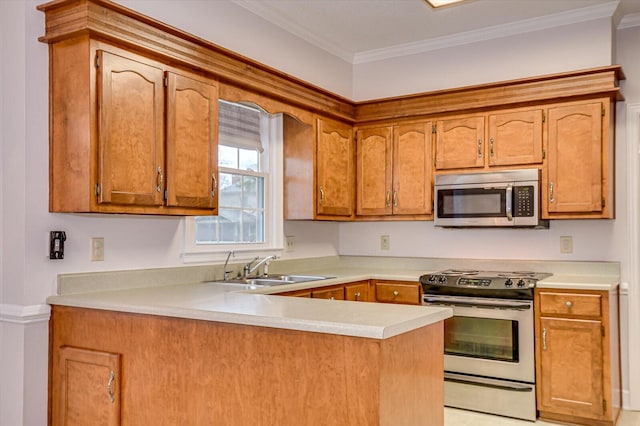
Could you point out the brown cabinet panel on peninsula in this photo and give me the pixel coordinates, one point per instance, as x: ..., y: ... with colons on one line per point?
x: 129, y: 134
x: 394, y: 170
x: 405, y: 292
x: 577, y: 356
x: 577, y: 181
x: 86, y: 390
x: 358, y: 291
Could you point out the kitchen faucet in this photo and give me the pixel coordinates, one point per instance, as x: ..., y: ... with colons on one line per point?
x: 248, y: 269
x: 226, y: 274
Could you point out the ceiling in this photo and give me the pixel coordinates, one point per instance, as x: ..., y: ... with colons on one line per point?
x: 366, y: 30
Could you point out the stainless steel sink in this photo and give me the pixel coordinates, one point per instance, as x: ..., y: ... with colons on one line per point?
x: 275, y: 279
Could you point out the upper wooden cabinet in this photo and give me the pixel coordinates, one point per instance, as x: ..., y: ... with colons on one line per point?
x: 500, y: 138
x: 319, y: 169
x: 335, y: 168
x: 394, y: 170
x: 129, y: 134
x: 577, y: 180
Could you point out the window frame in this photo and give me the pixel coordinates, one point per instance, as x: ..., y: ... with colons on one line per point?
x: 272, y: 161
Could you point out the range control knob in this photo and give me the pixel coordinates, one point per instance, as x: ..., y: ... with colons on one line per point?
x: 521, y: 283
x: 442, y: 279
x: 508, y: 282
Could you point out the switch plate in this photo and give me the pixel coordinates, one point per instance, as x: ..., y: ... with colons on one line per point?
x: 385, y: 242
x: 97, y: 249
x: 566, y: 244
x: 289, y: 243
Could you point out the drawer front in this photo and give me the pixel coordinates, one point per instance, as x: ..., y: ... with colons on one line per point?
x: 398, y: 293
x: 571, y: 304
x: 357, y: 292
x: 331, y: 293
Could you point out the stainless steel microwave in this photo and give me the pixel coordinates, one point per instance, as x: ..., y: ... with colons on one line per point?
x: 507, y: 198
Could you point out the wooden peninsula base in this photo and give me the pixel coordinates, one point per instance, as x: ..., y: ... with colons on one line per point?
x: 111, y: 367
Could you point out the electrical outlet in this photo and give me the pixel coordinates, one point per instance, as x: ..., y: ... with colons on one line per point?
x: 385, y: 242
x: 290, y: 243
x: 566, y: 244
x: 97, y: 249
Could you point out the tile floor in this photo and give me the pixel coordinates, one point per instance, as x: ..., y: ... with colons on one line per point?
x: 455, y: 417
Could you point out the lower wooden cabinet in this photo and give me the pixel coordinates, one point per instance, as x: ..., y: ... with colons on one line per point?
x: 357, y: 292
x: 333, y: 293
x: 86, y: 390
x: 577, y: 356
x: 406, y: 292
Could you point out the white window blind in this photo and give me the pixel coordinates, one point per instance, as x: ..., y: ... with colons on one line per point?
x: 239, y: 126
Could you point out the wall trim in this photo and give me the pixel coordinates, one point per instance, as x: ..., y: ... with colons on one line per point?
x: 632, y: 400
x: 19, y: 314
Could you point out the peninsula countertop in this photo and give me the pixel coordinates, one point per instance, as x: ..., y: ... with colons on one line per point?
x: 242, y: 304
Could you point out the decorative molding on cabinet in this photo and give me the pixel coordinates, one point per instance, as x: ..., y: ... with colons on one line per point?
x: 19, y: 314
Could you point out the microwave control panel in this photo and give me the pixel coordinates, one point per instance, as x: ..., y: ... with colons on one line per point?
x: 524, y: 204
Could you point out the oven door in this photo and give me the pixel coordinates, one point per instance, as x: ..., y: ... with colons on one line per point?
x: 488, y: 337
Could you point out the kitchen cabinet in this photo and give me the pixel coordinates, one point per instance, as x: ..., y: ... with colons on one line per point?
x: 333, y: 293
x: 577, y: 180
x: 498, y: 138
x: 577, y: 356
x: 357, y: 292
x: 335, y: 158
x: 86, y: 389
x: 129, y: 134
x: 405, y: 292
x: 319, y: 170
x: 394, y: 170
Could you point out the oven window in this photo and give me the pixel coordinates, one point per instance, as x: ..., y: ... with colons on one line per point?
x: 477, y: 202
x: 486, y: 338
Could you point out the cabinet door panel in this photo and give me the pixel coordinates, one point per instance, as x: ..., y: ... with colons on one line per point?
x: 412, y: 170
x: 358, y: 292
x: 575, y: 159
x: 374, y: 171
x: 335, y: 169
x: 515, y: 138
x: 571, y: 364
x: 336, y: 293
x: 460, y: 143
x: 192, y: 148
x: 88, y: 388
x: 130, y: 129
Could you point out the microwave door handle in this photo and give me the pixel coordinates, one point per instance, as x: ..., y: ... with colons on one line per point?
x: 509, y: 196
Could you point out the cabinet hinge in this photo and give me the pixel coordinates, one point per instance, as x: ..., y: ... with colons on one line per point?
x: 603, y: 202
x: 166, y: 81
x: 603, y: 111
x: 603, y: 331
x: 166, y: 195
x: 544, y: 154
x: 97, y: 189
x: 604, y: 406
x: 544, y: 117
x: 433, y: 129
x: 97, y: 61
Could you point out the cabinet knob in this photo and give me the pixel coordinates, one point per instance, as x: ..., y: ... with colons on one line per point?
x: 357, y: 295
x: 332, y: 298
x: 395, y: 293
x: 569, y: 304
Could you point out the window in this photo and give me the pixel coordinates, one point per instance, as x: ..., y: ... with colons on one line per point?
x: 250, y: 184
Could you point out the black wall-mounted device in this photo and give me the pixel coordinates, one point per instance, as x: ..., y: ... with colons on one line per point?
x: 56, y: 244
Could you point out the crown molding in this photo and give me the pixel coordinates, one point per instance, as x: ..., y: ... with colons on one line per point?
x: 605, y: 10
x: 629, y: 21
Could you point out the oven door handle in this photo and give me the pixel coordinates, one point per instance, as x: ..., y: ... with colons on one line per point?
x: 479, y: 381
x: 475, y: 303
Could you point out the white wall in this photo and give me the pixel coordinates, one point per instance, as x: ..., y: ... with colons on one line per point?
x: 27, y: 277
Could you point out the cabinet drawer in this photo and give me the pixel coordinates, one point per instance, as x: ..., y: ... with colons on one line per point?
x: 336, y: 293
x: 571, y: 304
x: 398, y: 293
x: 357, y: 292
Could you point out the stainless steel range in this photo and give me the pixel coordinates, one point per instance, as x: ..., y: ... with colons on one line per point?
x: 488, y: 343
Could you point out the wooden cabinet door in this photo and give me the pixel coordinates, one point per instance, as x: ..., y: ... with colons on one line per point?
x: 460, y: 143
x: 333, y: 293
x: 374, y: 171
x: 515, y: 138
x: 335, y: 168
x: 575, y: 159
x: 571, y: 362
x: 131, y: 131
x: 192, y: 142
x: 87, y: 389
x: 412, y: 170
x: 358, y: 292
